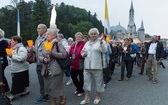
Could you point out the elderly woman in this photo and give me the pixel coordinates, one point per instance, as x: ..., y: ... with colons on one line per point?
x: 51, y: 70
x: 63, y: 41
x: 126, y: 52
x: 3, y: 57
x: 19, y: 68
x: 76, y: 57
x: 93, y: 52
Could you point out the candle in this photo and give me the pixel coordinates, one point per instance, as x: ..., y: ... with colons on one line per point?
x: 9, y: 51
x: 30, y: 43
x: 107, y: 38
x: 47, y: 45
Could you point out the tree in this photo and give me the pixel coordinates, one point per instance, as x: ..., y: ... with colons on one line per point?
x: 70, y: 19
x: 8, y: 20
x: 40, y: 15
x: 147, y: 36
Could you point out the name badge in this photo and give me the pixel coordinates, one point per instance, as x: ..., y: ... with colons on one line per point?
x: 88, y: 54
x: 73, y: 56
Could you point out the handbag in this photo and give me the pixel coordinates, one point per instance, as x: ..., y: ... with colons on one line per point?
x: 47, y: 71
x: 31, y: 56
x: 64, y: 63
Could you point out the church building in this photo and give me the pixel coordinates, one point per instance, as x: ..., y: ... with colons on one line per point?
x: 131, y: 28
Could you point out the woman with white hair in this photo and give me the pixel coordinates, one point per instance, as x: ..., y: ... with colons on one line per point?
x: 76, y: 57
x: 3, y: 57
x: 51, y: 70
x: 94, y: 55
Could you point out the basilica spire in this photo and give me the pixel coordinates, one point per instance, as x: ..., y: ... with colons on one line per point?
x: 131, y: 9
x: 131, y: 28
x: 142, y: 25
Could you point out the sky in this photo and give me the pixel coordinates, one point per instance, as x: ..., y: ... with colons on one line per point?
x: 154, y: 13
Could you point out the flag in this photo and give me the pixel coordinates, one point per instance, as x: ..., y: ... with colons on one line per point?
x: 18, y: 23
x: 106, y: 22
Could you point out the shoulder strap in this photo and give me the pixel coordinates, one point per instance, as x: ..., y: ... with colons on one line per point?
x: 57, y: 46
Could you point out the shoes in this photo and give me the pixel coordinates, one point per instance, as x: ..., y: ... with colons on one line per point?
x: 105, y: 85
x: 62, y: 100
x: 140, y: 73
x: 12, y: 99
x: 96, y: 101
x: 38, y: 100
x: 126, y: 78
x: 76, y: 92
x: 79, y: 94
x: 149, y: 79
x: 69, y: 82
x: 24, y: 94
x: 48, y: 99
x: 120, y: 79
x: 83, y: 102
x: 154, y: 82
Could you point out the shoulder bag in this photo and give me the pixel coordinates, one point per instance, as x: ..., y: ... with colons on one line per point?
x: 64, y: 63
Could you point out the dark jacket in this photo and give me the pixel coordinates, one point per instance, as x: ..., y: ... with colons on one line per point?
x: 3, y: 46
x: 127, y: 56
x: 159, y: 50
x: 77, y: 54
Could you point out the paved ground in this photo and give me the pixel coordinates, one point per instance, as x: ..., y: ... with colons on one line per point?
x: 137, y: 91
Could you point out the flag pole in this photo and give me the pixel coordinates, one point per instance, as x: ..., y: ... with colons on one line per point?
x: 106, y: 21
x: 18, y: 22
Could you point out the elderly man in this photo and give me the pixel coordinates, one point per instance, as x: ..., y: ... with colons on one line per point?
x: 154, y: 56
x: 39, y: 46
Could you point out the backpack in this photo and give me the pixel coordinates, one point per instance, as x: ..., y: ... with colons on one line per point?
x: 135, y: 47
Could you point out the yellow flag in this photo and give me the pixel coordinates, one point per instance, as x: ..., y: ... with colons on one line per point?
x: 106, y: 22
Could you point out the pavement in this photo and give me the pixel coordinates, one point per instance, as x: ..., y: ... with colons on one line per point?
x: 136, y: 91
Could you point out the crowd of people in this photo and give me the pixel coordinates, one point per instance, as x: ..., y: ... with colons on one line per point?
x: 98, y: 56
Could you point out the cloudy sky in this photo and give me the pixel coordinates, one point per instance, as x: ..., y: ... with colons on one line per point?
x: 154, y: 13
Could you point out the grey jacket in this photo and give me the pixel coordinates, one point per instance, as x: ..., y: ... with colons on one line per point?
x: 39, y: 47
x: 54, y: 55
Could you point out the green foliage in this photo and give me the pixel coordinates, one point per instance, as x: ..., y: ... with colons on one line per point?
x: 147, y: 36
x: 70, y: 19
x: 39, y: 16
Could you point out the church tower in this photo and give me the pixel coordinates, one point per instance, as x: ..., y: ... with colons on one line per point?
x: 141, y: 32
x: 131, y: 28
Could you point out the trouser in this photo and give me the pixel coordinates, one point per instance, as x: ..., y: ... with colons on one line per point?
x: 4, y: 80
x: 78, y: 82
x: 128, y: 65
x: 67, y: 72
x: 106, y: 75
x: 152, y: 63
x: 89, y: 74
x: 41, y: 82
x: 161, y: 63
x: 142, y: 65
x: 132, y: 66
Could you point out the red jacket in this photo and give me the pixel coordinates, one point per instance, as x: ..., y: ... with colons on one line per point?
x: 77, y: 54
